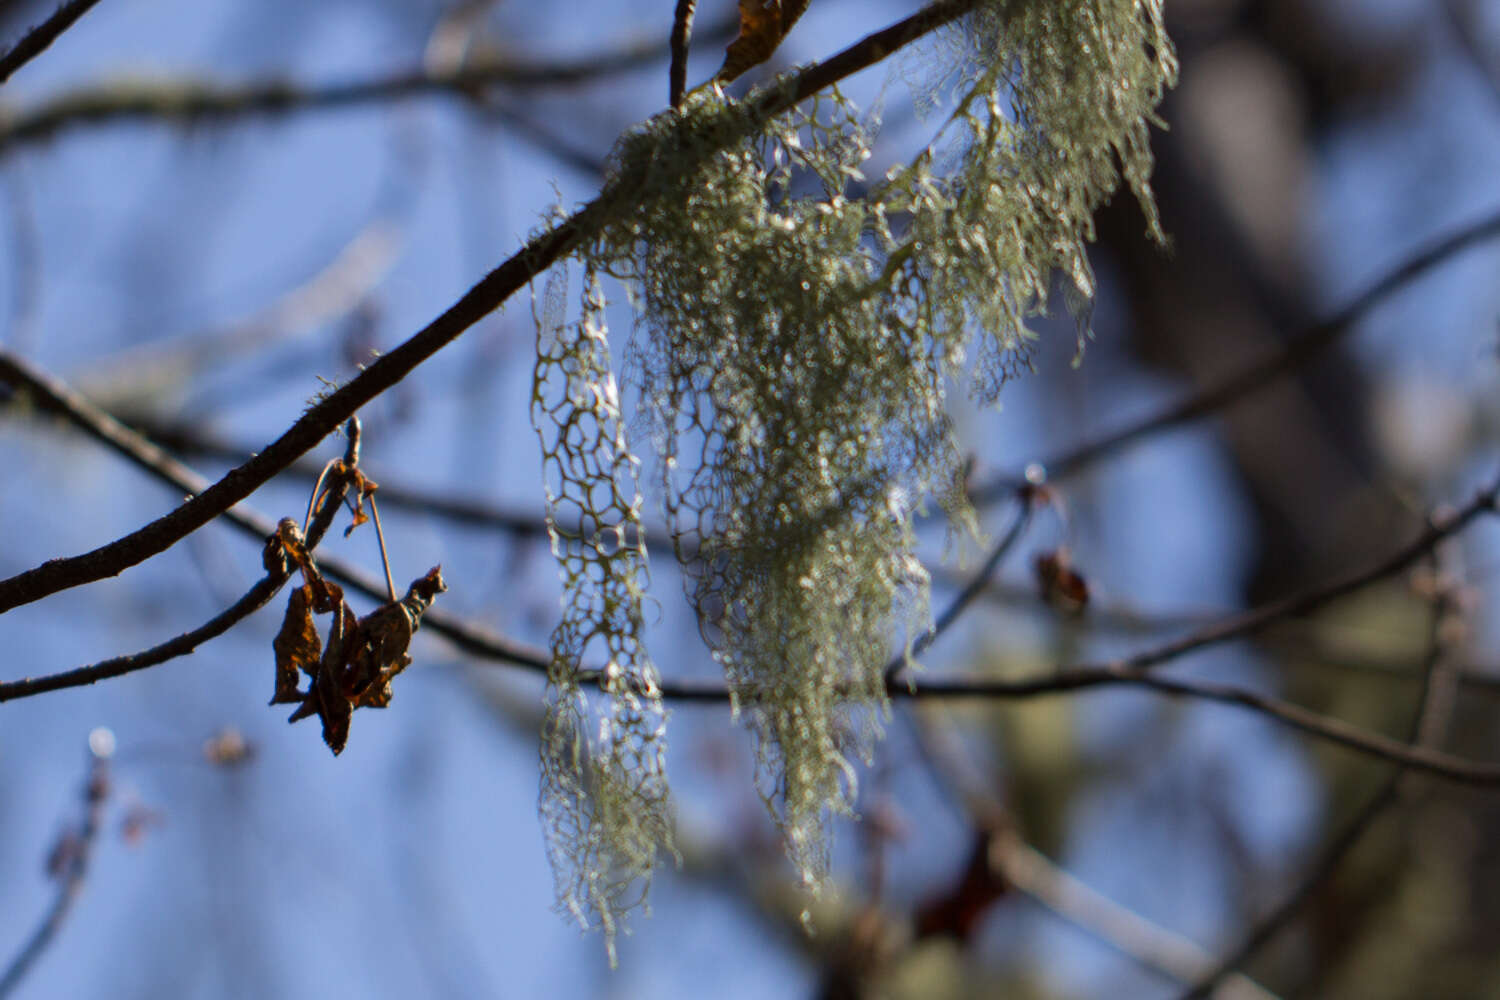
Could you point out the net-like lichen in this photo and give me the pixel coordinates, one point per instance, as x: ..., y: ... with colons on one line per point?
x: 799, y: 325
x: 604, y: 788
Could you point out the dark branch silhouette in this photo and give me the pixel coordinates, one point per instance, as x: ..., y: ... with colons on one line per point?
x: 1303, y: 348
x: 973, y: 588
x: 36, y: 41
x: 188, y: 101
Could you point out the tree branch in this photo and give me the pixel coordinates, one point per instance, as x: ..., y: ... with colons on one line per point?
x: 197, y: 101
x: 1460, y: 770
x: 539, y: 253
x: 972, y: 589
x: 36, y: 41
x: 682, y: 33
x: 55, y: 397
x: 1438, y: 527
x: 1303, y: 348
x: 1134, y: 670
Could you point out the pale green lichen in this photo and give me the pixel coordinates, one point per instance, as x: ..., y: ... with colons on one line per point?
x: 796, y: 338
x: 604, y: 800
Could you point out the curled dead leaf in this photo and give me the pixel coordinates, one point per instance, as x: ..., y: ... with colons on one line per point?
x: 297, y: 646
x: 360, y: 659
x: 1061, y: 585
x: 763, y: 24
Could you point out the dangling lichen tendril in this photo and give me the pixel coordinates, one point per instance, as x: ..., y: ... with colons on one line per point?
x: 604, y: 788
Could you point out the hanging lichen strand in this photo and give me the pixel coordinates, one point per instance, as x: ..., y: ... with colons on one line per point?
x: 604, y: 789
x: 795, y: 341
x: 798, y: 411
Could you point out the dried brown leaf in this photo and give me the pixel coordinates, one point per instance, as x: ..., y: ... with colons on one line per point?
x: 362, y: 654
x: 763, y: 24
x: 381, y: 640
x: 326, y: 698
x: 327, y: 596
x: 297, y: 646
x: 1061, y: 585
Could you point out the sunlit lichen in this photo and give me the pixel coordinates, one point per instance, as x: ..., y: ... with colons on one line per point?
x: 799, y: 325
x: 604, y: 789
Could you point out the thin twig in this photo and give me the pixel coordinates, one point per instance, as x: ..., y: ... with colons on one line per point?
x: 539, y: 253
x: 1077, y: 679
x: 1426, y: 721
x: 1438, y: 528
x: 254, y: 599
x: 682, y: 33
x: 1142, y: 940
x: 36, y: 41
x: 385, y: 560
x: 1460, y: 770
x: 1299, y: 351
x: 72, y: 858
x: 972, y: 589
x: 1134, y: 669
x: 199, y: 101
x: 185, y: 439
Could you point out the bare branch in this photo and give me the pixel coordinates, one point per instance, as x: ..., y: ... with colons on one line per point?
x: 1438, y: 528
x: 54, y: 396
x: 1142, y: 940
x: 185, y: 439
x: 1133, y: 669
x: 36, y: 41
x: 1303, y: 348
x: 199, y: 101
x: 973, y: 588
x: 1460, y: 770
x: 254, y: 599
x: 682, y: 33
x: 1130, y: 671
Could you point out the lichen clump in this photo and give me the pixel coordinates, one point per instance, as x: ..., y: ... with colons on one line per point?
x: 798, y: 326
